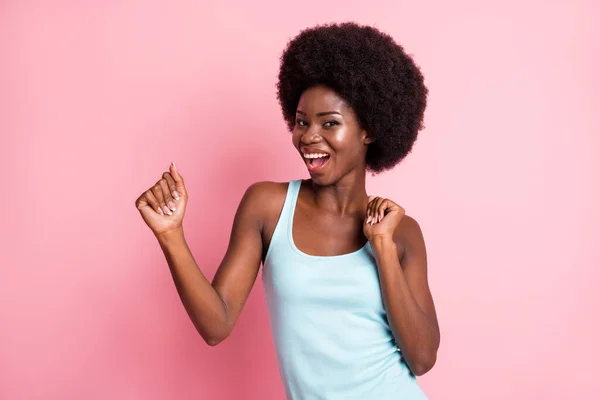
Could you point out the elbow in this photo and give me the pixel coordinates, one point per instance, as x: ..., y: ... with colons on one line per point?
x: 213, y: 330
x: 215, y: 336
x: 423, y: 364
x: 213, y: 341
x: 420, y: 369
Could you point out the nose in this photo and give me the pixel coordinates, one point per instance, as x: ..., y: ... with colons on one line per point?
x: 311, y: 135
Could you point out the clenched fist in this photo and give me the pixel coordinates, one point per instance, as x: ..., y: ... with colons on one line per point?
x: 383, y: 216
x: 163, y: 205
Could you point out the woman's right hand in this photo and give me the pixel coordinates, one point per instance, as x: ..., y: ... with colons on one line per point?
x: 163, y: 205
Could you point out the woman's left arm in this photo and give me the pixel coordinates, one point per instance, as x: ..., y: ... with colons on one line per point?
x: 405, y: 290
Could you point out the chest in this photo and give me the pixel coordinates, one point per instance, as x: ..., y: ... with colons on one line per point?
x: 319, y: 233
x: 347, y: 283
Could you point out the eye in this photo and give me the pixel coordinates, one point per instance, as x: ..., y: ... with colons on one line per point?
x: 301, y: 122
x: 329, y: 124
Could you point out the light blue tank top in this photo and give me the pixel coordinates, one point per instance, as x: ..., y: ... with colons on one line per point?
x: 328, y: 321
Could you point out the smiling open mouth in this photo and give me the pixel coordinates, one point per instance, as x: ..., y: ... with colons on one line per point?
x: 317, y: 163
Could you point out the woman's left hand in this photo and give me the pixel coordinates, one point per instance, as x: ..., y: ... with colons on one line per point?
x: 382, y: 218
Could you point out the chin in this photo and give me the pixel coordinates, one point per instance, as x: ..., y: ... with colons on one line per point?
x: 322, y: 180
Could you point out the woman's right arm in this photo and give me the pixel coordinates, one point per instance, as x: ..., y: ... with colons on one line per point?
x: 213, y: 308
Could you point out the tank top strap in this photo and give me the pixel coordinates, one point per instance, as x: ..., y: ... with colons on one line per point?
x: 292, y: 198
x: 280, y: 234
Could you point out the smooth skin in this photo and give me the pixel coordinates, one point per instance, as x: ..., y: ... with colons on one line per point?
x: 333, y: 216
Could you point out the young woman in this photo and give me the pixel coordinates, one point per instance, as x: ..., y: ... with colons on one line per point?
x: 345, y: 274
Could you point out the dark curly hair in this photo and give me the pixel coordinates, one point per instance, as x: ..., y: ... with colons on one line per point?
x: 371, y: 72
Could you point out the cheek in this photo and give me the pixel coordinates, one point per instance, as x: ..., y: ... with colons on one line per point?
x: 347, y: 143
x: 337, y: 137
x: 338, y: 141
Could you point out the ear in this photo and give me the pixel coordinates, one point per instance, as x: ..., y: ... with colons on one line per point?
x: 366, y: 137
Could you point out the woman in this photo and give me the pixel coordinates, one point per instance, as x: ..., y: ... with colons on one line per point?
x: 344, y: 273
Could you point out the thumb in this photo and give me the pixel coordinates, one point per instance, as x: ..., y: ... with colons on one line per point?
x: 177, y: 178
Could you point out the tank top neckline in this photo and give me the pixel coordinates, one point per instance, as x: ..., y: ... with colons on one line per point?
x: 295, y: 186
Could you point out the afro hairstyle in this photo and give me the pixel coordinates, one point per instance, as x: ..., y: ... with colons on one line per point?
x: 371, y: 72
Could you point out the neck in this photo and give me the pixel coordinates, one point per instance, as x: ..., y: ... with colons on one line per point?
x: 346, y: 196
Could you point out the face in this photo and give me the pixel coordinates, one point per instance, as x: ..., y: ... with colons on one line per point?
x: 328, y: 136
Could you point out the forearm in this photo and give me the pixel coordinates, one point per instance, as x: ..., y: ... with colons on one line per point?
x: 202, y: 303
x: 413, y: 330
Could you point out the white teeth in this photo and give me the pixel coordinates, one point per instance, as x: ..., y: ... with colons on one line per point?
x: 315, y: 155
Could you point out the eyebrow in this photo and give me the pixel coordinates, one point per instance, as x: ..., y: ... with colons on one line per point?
x: 319, y: 114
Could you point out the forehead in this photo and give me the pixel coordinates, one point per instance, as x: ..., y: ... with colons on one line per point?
x: 320, y: 99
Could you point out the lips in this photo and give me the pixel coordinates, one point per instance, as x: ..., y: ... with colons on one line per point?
x: 315, y: 159
x: 316, y: 165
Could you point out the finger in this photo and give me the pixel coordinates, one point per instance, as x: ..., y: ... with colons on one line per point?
x: 158, y: 193
x: 376, y: 204
x: 167, y: 194
x: 371, y: 209
x: 151, y: 199
x: 172, y: 185
x: 375, y: 208
x: 368, y: 210
x: 179, y: 185
x: 379, y: 208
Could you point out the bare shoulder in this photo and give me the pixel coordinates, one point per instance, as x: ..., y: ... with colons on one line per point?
x: 409, y: 228
x: 265, y: 202
x: 409, y: 237
x: 265, y: 190
x: 265, y: 194
x: 264, y: 199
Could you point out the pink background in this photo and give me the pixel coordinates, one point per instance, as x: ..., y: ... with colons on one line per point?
x: 96, y: 98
